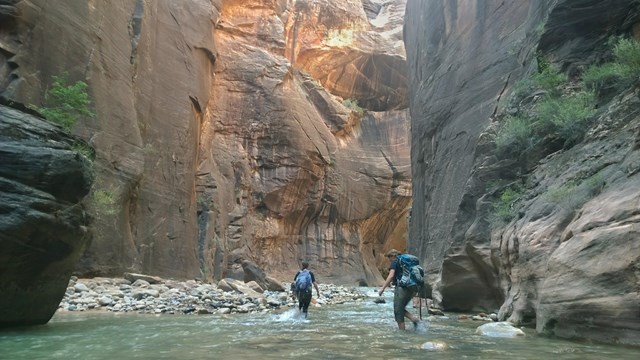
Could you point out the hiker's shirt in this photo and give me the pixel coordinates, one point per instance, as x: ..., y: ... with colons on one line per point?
x: 395, y: 265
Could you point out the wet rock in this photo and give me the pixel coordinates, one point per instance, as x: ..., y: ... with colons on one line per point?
x: 499, y: 329
x: 435, y: 345
x: 434, y: 311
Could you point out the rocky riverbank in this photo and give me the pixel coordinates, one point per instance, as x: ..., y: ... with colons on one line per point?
x: 145, y: 294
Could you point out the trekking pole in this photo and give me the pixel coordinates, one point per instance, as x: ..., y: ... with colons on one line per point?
x: 420, y: 297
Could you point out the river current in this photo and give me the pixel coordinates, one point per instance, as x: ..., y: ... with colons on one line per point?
x: 363, y: 330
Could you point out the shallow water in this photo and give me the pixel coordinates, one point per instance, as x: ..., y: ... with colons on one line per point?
x: 350, y: 331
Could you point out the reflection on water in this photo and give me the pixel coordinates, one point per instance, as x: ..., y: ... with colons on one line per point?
x: 349, y: 331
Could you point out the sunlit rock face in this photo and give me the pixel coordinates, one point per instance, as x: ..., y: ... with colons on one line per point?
x: 354, y: 48
x: 213, y: 147
x: 43, y: 226
x: 569, y: 266
x: 287, y: 171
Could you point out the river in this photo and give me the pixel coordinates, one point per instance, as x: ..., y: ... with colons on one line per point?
x: 363, y: 330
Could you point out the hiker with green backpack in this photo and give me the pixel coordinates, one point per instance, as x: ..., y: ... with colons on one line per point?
x: 303, y: 281
x: 408, y: 276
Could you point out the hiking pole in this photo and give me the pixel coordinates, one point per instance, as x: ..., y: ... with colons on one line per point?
x: 420, y: 297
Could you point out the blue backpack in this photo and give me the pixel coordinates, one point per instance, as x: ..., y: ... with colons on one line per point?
x: 412, y: 272
x: 303, y: 281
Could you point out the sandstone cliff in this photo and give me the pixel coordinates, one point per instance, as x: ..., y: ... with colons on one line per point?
x: 230, y: 131
x: 568, y: 260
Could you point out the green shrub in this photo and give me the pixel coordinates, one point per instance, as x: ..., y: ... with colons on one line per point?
x: 627, y: 54
x: 625, y: 65
x: 66, y: 104
x: 550, y: 79
x: 561, y: 194
x: 504, y: 209
x: 521, y: 90
x: 84, y: 150
x: 567, y: 117
x: 570, y: 196
x: 515, y: 135
x: 105, y: 202
x: 575, y: 193
x: 352, y: 105
x: 595, y: 184
x: 599, y: 76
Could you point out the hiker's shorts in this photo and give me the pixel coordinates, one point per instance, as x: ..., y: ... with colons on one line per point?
x: 401, y: 297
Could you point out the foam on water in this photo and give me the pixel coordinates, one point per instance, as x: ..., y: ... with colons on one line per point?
x: 291, y: 316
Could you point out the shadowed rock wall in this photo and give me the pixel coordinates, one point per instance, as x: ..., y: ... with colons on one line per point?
x: 462, y: 56
x: 568, y: 266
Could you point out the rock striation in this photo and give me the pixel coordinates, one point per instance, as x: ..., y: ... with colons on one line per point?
x: 43, y: 225
x: 294, y: 168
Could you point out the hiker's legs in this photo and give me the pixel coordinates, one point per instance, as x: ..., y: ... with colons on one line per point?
x: 299, y: 295
x: 401, y: 297
x: 410, y: 316
x: 305, y: 300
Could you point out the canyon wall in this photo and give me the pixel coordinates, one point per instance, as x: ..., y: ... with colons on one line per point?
x: 567, y: 261
x: 229, y: 131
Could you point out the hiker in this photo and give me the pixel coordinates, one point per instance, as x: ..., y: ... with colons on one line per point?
x: 303, y: 281
x: 401, y: 295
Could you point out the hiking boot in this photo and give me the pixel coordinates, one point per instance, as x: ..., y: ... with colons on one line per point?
x: 420, y: 326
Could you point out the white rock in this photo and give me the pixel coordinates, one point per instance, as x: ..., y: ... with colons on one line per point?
x: 499, y: 329
x: 435, y: 345
x: 105, y: 301
x: 80, y: 287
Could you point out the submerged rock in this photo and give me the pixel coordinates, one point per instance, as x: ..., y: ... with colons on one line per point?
x: 499, y: 329
x: 435, y: 345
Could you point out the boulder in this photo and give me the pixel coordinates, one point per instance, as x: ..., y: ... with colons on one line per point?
x: 148, y: 278
x: 229, y: 284
x: 42, y: 223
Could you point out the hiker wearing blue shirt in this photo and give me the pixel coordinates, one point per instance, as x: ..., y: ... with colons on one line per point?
x: 303, y: 281
x: 401, y: 295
